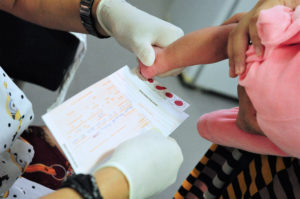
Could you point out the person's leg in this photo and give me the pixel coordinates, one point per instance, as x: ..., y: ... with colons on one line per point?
x: 218, y: 162
x: 252, y: 176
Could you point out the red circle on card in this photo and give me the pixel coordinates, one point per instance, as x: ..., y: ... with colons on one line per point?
x: 178, y: 103
x: 150, y: 80
x: 169, y: 95
x: 160, y: 87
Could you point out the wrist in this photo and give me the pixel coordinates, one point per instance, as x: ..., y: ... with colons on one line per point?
x: 112, y: 183
x: 63, y: 193
x: 169, y: 57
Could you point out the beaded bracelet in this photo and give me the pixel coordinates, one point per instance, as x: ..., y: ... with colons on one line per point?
x: 84, y: 185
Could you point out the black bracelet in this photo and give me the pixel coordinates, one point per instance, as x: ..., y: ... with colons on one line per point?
x: 84, y: 185
x: 87, y: 19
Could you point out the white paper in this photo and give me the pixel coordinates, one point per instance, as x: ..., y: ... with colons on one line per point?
x: 99, y: 118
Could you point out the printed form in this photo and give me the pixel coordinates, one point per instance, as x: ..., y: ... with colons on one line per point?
x: 93, y: 122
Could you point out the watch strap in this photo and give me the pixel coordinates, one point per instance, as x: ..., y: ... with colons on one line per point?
x: 87, y: 19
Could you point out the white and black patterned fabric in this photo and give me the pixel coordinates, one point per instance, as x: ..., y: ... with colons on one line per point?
x: 15, y: 116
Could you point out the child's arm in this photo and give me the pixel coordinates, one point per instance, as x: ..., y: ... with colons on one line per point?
x: 204, y: 46
x: 219, y: 127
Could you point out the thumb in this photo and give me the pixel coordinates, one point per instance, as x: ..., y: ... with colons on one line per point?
x: 147, y: 72
x: 145, y: 53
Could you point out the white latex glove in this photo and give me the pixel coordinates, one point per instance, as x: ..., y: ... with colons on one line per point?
x: 150, y: 163
x: 136, y: 30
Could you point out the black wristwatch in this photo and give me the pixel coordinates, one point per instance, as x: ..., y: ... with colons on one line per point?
x: 87, y: 19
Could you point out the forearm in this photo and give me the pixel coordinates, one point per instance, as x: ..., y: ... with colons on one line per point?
x: 55, y: 14
x: 204, y: 46
x: 111, y: 182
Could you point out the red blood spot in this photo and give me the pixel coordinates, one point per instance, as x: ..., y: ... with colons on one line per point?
x: 150, y: 80
x: 169, y: 95
x: 178, y: 103
x: 160, y: 87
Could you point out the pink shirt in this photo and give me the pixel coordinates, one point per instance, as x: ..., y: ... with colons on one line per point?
x: 272, y: 83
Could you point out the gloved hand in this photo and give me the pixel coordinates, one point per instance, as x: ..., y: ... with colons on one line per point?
x: 134, y: 29
x: 149, y: 161
x: 160, y: 67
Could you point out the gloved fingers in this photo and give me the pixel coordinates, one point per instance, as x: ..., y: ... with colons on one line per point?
x: 149, y: 161
x: 147, y: 72
x: 144, y: 52
x: 160, y: 67
x: 168, y: 33
x: 160, y: 71
x: 177, y: 152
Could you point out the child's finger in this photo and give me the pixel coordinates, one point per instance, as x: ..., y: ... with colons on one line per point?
x: 148, y: 72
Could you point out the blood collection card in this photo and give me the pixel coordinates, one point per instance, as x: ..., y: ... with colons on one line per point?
x: 95, y: 121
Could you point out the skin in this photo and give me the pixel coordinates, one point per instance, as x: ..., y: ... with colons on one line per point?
x: 112, y: 183
x: 50, y: 13
x: 246, y: 31
x: 246, y: 119
x: 203, y: 46
x: 107, y: 179
x: 64, y: 15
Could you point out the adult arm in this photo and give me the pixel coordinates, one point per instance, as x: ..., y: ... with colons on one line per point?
x: 149, y: 160
x: 56, y: 14
x: 111, y: 182
x: 134, y: 29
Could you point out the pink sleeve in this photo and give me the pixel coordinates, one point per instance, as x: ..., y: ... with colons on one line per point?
x: 219, y: 127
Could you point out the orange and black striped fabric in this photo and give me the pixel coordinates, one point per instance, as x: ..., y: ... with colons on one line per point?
x: 227, y: 173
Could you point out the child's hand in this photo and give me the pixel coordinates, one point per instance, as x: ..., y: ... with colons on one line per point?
x: 161, y: 66
x: 155, y: 69
x: 246, y: 31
